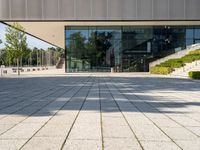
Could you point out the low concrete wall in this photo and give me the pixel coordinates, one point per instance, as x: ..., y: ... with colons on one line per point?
x: 26, y: 69
x: 175, y: 55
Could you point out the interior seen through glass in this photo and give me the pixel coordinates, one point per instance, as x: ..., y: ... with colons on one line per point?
x: 123, y: 48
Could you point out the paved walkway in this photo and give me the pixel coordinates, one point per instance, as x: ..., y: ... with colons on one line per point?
x: 95, y: 112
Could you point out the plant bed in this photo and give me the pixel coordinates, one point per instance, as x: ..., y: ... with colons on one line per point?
x: 171, y: 64
x: 161, y: 70
x: 194, y: 74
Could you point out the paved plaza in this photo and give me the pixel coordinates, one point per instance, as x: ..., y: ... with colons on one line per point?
x: 99, y: 111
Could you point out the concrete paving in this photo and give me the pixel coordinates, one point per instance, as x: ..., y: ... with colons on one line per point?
x: 99, y: 111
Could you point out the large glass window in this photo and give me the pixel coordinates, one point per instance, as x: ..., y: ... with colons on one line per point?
x: 124, y: 48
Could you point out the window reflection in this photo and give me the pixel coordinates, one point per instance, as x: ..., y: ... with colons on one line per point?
x: 126, y: 49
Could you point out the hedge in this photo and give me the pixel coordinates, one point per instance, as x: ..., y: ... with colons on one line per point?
x: 190, y: 58
x: 160, y: 70
x: 173, y: 63
x: 195, y: 52
x: 194, y: 74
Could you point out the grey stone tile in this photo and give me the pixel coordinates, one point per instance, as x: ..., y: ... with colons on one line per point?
x: 149, y: 132
x: 189, y: 144
x: 161, y: 145
x: 83, y: 145
x: 44, y: 143
x: 121, y: 144
x: 85, y: 131
x: 54, y: 130
x: 117, y: 132
x: 179, y: 133
x: 11, y: 144
x: 22, y: 131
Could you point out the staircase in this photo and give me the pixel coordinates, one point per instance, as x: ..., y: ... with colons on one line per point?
x: 61, y: 63
x: 176, y: 55
x: 183, y: 71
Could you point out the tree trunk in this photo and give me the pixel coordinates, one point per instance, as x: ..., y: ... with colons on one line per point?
x: 18, y: 66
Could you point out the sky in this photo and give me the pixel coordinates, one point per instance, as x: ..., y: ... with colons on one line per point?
x: 31, y: 41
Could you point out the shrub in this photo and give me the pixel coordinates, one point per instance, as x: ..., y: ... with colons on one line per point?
x: 173, y: 63
x: 194, y: 74
x: 169, y: 65
x: 196, y: 52
x: 160, y: 70
x: 190, y: 58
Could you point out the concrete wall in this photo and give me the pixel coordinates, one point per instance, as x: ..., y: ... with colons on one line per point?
x: 99, y: 10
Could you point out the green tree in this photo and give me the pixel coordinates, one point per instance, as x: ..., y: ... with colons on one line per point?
x: 16, y: 44
x: 76, y: 49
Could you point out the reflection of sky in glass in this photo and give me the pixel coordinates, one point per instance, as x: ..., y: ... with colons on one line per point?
x: 32, y: 41
x: 189, y: 33
x: 197, y: 33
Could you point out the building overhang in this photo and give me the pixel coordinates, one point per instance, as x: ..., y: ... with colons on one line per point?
x: 53, y: 31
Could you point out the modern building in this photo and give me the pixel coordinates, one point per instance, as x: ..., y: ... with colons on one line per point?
x: 100, y: 34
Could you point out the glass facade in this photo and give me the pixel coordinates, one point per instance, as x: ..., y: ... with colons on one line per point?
x: 123, y: 48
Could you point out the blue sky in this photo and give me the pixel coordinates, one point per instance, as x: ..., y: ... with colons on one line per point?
x: 32, y: 41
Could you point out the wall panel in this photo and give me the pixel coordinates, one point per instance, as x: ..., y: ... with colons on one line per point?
x: 18, y: 9
x: 160, y: 9
x: 67, y: 9
x: 129, y: 9
x: 176, y: 10
x: 192, y: 9
x: 99, y: 9
x: 83, y: 9
x: 34, y: 10
x: 50, y: 9
x: 144, y: 9
x: 4, y: 9
x: 115, y: 9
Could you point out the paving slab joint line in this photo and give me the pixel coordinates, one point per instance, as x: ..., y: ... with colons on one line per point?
x: 52, y: 116
x: 146, y: 116
x: 101, y: 121
x: 63, y: 144
x: 163, y: 113
x: 124, y: 116
x: 32, y: 113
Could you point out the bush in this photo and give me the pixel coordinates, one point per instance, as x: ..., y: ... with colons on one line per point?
x: 169, y: 65
x: 172, y: 63
x: 160, y: 70
x: 194, y: 74
x: 196, y: 52
x: 190, y: 58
